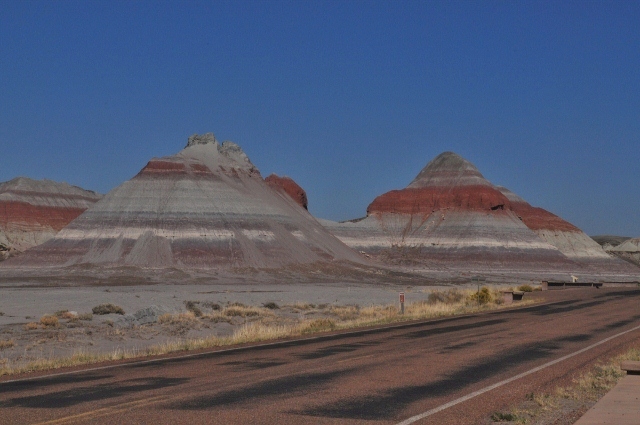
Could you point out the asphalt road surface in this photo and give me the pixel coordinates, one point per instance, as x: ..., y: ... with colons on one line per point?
x: 380, y: 376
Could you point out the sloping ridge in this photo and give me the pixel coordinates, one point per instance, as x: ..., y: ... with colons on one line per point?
x: 33, y: 211
x: 205, y: 207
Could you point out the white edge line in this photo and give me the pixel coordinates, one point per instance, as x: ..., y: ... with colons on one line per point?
x: 279, y: 342
x: 509, y: 380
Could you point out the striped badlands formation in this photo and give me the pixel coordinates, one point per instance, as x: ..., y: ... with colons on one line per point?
x: 566, y: 237
x: 33, y: 211
x: 628, y: 250
x: 206, y: 207
x: 451, y: 216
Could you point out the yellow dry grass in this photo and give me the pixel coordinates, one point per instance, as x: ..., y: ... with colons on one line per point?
x: 49, y: 321
x: 31, y: 326
x: 4, y: 344
x: 588, y: 387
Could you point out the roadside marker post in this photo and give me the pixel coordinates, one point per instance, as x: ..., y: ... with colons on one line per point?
x: 401, y: 302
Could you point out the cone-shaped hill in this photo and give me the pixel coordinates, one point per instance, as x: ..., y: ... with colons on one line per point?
x: 450, y: 216
x: 206, y: 208
x: 33, y: 211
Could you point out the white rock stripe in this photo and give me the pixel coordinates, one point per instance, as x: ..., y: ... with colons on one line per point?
x: 509, y: 380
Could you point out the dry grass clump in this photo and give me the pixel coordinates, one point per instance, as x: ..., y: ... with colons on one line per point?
x: 49, y: 321
x: 66, y: 314
x: 4, y: 344
x: 317, y: 325
x: 107, y: 309
x: 31, y: 326
x: 85, y: 316
x: 345, y: 312
x: 299, y: 305
x: 241, y: 310
x: 525, y: 288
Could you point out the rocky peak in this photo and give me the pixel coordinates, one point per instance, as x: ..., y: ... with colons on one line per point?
x: 448, y: 169
x: 204, y: 139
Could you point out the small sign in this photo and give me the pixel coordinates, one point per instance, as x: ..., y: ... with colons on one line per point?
x: 401, y: 297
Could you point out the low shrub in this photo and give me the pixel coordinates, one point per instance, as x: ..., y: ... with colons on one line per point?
x: 213, y: 306
x: 525, y: 288
x: 192, y: 306
x: 235, y: 310
x: 49, y: 321
x: 271, y: 305
x: 107, y: 309
x: 66, y: 314
x: 31, y: 326
x: 85, y: 316
x: 4, y: 344
x: 299, y: 305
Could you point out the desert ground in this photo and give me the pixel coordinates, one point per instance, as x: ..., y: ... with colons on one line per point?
x: 26, y: 339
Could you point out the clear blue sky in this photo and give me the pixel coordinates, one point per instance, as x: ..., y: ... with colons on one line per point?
x: 349, y: 98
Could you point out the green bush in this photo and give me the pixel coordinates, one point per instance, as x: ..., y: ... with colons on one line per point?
x: 107, y: 309
x: 482, y: 297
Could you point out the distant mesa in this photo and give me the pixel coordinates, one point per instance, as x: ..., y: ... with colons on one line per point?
x: 290, y: 187
x: 451, y: 217
x: 33, y: 211
x: 206, y: 207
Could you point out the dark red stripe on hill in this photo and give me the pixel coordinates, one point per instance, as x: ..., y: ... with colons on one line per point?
x: 19, y: 214
x: 427, y: 199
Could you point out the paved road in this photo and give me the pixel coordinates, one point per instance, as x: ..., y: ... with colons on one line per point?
x: 381, y: 376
